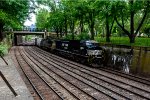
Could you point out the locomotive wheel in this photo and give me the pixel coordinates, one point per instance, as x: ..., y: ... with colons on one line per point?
x: 83, y: 60
x: 90, y: 60
x: 96, y: 63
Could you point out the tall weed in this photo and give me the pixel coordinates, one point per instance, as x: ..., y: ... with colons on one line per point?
x: 3, y: 49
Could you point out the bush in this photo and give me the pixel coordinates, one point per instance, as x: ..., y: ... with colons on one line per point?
x: 3, y: 49
x: 83, y: 36
x: 68, y: 37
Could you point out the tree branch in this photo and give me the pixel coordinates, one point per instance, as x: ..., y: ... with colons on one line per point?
x: 126, y: 32
x: 142, y: 21
x: 112, y: 25
x: 122, y: 20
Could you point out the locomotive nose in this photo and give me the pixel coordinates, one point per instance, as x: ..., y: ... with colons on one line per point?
x: 94, y: 52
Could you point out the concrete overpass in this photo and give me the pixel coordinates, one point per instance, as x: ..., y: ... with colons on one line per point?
x: 18, y: 35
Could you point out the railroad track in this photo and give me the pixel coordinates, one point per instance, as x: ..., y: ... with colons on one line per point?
x: 135, y: 87
x: 54, y: 81
x: 29, y: 85
x: 145, y: 81
x: 72, y: 81
x: 77, y: 92
x: 80, y: 87
x: 40, y: 86
x: 129, y: 76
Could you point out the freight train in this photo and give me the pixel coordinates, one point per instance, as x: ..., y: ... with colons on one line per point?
x: 84, y: 51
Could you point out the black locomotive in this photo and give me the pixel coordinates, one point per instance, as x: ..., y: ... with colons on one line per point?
x: 84, y: 51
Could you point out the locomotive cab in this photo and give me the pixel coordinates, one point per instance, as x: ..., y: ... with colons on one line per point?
x: 90, y: 48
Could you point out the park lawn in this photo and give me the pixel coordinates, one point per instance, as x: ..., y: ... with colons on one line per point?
x: 139, y: 41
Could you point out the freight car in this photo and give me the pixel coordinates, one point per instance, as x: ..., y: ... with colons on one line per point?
x: 84, y: 51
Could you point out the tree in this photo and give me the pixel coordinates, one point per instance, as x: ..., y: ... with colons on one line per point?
x: 56, y: 22
x: 92, y: 12
x: 134, y: 7
x: 147, y: 31
x: 106, y: 15
x: 82, y: 11
x: 41, y: 18
x: 80, y: 14
x: 69, y: 15
x: 146, y: 28
x: 13, y: 13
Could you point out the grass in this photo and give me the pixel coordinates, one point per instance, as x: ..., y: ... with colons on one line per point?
x: 139, y: 41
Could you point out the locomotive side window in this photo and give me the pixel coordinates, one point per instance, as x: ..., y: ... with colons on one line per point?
x: 81, y: 48
x: 63, y: 44
x: 88, y: 43
x: 66, y: 45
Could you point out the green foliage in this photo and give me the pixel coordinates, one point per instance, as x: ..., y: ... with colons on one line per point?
x: 3, y: 49
x: 56, y: 20
x: 130, y: 16
x: 41, y: 18
x: 13, y: 12
x: 110, y: 17
x: 145, y: 42
x: 28, y: 37
x: 6, y: 44
x: 83, y: 36
x: 68, y: 37
x: 146, y: 29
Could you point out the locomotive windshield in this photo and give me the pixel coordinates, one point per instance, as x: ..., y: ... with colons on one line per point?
x: 92, y: 44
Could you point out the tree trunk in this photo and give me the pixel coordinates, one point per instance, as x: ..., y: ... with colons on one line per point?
x: 81, y: 24
x: 132, y: 35
x: 1, y: 31
x: 92, y: 30
x: 107, y: 38
x: 60, y: 31
x: 132, y: 38
x: 107, y: 30
x: 91, y: 23
x: 65, y: 26
x: 72, y: 31
x: 72, y: 24
x: 57, y: 33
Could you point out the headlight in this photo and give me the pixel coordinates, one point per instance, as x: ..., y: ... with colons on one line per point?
x: 94, y: 52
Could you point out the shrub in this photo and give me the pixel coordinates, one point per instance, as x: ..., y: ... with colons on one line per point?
x: 3, y: 49
x: 83, y: 36
x: 68, y: 37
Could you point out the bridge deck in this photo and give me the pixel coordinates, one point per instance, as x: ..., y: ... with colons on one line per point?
x: 27, y: 32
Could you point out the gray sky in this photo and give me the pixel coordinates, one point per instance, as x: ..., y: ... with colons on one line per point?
x: 31, y: 21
